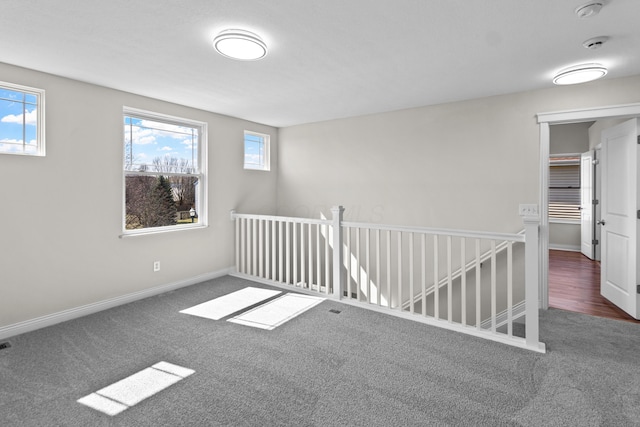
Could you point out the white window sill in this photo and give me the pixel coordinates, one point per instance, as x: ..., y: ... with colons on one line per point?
x: 161, y: 230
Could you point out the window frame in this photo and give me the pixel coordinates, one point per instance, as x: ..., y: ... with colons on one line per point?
x: 201, y: 173
x: 575, y: 161
x: 40, y: 118
x: 266, y: 148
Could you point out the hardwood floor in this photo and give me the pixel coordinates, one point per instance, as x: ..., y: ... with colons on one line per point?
x: 574, y: 285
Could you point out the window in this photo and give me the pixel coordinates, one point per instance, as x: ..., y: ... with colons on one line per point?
x: 564, y: 188
x: 164, y: 172
x: 21, y: 120
x: 256, y: 151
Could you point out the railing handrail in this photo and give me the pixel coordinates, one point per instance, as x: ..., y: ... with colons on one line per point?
x: 517, y: 237
x: 298, y: 220
x: 514, y: 237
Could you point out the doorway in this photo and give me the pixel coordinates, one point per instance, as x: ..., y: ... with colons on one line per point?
x: 545, y: 120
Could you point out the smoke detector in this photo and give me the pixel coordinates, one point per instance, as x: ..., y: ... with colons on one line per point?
x: 595, y: 42
x: 588, y: 10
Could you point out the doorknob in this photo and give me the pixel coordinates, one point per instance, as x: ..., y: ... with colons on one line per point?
x: 601, y: 222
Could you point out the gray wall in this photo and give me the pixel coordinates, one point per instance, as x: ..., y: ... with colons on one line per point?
x: 62, y: 214
x: 460, y: 165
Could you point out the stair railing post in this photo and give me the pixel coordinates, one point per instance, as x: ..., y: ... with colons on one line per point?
x: 337, y: 243
x: 531, y: 219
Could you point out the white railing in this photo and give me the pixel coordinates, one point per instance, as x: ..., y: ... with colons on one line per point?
x: 482, y: 284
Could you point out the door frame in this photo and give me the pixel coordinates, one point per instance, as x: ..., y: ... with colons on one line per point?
x: 557, y: 118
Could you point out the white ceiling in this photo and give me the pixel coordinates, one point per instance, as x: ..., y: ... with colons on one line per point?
x: 327, y: 58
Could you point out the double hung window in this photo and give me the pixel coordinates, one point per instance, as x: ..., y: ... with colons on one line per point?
x: 164, y: 172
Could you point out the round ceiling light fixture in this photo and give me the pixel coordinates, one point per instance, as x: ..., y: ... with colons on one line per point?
x: 588, y: 10
x: 240, y: 44
x: 580, y: 74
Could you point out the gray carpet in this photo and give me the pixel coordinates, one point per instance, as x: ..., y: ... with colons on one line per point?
x: 355, y: 368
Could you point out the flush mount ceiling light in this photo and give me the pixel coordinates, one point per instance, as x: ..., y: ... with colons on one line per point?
x: 240, y: 44
x: 588, y: 10
x: 580, y: 74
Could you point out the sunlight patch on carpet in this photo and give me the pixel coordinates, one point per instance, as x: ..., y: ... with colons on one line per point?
x: 231, y: 303
x: 274, y: 313
x: 132, y: 390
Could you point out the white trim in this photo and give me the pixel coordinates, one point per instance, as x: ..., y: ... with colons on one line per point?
x: 76, y: 312
x: 556, y: 118
x: 502, y: 318
x: 567, y: 248
x: 564, y: 221
x: 588, y: 114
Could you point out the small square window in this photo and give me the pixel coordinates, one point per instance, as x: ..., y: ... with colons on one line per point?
x: 21, y: 120
x: 256, y: 151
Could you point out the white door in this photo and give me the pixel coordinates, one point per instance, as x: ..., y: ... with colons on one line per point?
x: 619, y: 216
x: 586, y: 205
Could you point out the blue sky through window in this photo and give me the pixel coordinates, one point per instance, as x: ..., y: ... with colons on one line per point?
x: 253, y: 151
x: 18, y: 122
x: 148, y: 142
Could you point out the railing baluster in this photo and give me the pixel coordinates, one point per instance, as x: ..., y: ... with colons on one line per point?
x: 303, y: 264
x: 238, y: 243
x: 274, y: 249
x: 493, y: 286
x: 436, y: 277
x: 348, y: 257
x: 318, y: 260
x: 327, y: 261
x: 367, y: 269
x: 400, y: 270
x: 281, y: 254
x: 254, y: 245
x: 389, y: 296
x: 510, y: 289
x: 449, y: 283
x: 463, y: 282
x: 423, y: 275
x: 260, y: 248
x: 411, y: 294
x: 478, y: 284
x: 358, y: 275
x: 295, y: 254
x: 378, y: 267
x: 310, y: 260
x: 287, y: 229
x: 244, y: 246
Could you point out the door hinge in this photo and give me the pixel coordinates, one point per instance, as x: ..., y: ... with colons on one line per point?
x: 595, y: 202
x: 638, y: 139
x: 638, y: 214
x: 638, y: 288
x: 595, y: 242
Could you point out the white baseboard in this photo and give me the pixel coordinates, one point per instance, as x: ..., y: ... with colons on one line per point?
x: 76, y: 312
x: 568, y: 248
x: 502, y: 318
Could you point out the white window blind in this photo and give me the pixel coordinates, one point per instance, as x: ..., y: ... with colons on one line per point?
x: 564, y: 188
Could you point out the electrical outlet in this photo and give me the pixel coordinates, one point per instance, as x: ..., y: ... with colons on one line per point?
x: 156, y: 266
x: 528, y: 210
